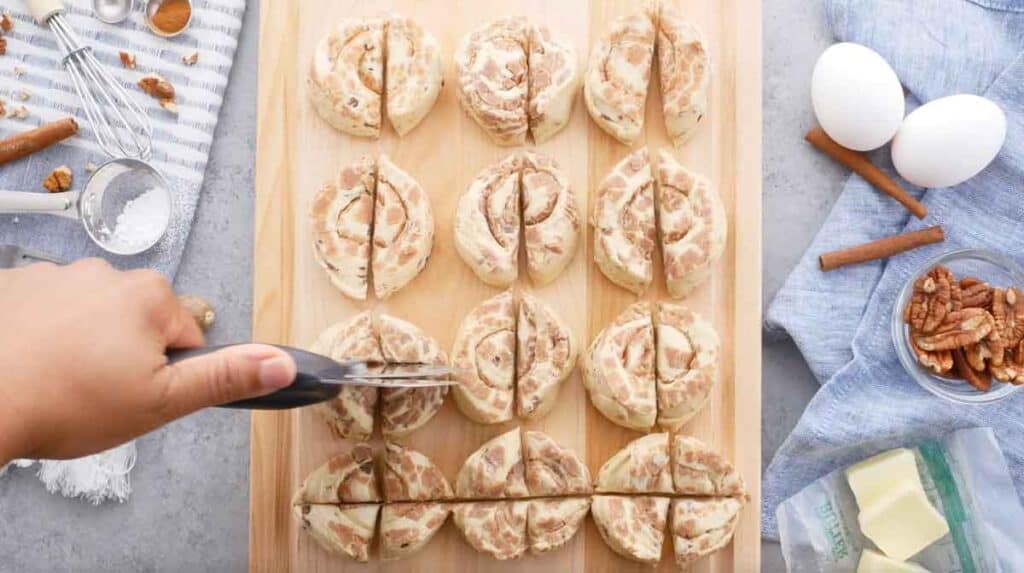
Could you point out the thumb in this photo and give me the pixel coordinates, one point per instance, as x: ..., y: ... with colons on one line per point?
x: 234, y: 373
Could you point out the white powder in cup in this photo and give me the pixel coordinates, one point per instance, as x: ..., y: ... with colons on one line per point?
x: 143, y: 220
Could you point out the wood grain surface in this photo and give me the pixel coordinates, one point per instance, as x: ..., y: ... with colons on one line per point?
x: 294, y: 301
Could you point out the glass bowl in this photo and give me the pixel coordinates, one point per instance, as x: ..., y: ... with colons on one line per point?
x: 994, y: 268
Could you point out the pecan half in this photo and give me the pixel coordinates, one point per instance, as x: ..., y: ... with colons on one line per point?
x: 960, y: 328
x: 127, y: 60
x: 1008, y: 311
x: 6, y: 23
x: 940, y: 362
x: 931, y: 301
x: 975, y: 293
x: 157, y: 87
x: 1012, y: 368
x: 979, y: 379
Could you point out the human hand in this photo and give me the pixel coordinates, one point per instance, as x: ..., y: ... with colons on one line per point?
x: 82, y: 349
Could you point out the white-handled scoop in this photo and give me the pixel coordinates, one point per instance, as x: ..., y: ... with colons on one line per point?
x: 125, y: 207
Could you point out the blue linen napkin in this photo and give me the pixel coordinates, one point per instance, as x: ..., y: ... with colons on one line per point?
x: 840, y: 320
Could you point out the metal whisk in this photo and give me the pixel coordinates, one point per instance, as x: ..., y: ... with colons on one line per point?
x: 122, y: 127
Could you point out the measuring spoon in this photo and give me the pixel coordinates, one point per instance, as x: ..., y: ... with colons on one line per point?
x: 102, y: 206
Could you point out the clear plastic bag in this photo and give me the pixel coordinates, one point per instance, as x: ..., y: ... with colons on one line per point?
x: 966, y: 479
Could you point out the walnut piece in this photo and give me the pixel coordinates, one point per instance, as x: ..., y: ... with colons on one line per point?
x: 960, y: 328
x: 191, y: 59
x: 60, y: 179
x: 6, y: 24
x: 127, y: 60
x: 157, y: 87
x: 931, y: 301
x: 20, y: 112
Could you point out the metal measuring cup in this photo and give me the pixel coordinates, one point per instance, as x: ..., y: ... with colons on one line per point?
x: 100, y: 206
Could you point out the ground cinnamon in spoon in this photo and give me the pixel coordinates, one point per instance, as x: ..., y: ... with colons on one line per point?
x: 171, y: 16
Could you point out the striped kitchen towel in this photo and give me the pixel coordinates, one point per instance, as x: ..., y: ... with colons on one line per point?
x: 181, y: 142
x: 31, y: 75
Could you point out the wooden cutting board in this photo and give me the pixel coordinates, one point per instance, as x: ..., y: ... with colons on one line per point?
x: 294, y: 301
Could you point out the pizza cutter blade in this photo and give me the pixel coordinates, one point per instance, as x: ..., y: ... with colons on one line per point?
x: 320, y: 378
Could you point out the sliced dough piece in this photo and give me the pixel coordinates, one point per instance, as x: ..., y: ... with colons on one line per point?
x: 702, y: 526
x: 687, y: 363
x: 408, y: 475
x: 346, y: 79
x: 551, y: 523
x: 685, y: 71
x: 618, y: 369
x: 404, y: 410
x: 345, y: 530
x: 345, y: 478
x: 693, y: 225
x: 633, y: 527
x: 487, y: 223
x: 491, y: 76
x: 403, y: 229
x: 640, y: 467
x: 414, y: 71
x: 552, y: 469
x: 341, y: 215
x: 405, y: 528
x: 551, y: 221
x: 552, y: 82
x: 495, y: 470
x: 546, y: 355
x: 351, y: 414
x: 618, y: 72
x: 624, y: 228
x: 699, y: 470
x: 483, y: 358
x: 497, y: 528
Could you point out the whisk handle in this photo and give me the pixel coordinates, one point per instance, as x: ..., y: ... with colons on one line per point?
x: 42, y: 9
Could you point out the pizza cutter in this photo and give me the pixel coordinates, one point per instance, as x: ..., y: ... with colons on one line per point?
x: 321, y: 378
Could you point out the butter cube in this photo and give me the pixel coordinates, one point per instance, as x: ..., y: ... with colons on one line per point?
x: 902, y: 521
x: 874, y: 562
x: 872, y: 477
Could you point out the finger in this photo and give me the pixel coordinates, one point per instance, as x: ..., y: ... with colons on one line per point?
x: 184, y: 331
x: 234, y: 373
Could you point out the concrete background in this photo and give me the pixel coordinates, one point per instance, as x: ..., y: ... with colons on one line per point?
x: 189, y: 509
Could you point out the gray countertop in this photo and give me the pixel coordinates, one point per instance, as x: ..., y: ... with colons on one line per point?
x: 189, y: 509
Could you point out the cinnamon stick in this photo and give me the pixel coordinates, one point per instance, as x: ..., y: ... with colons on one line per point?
x: 881, y: 248
x: 861, y: 165
x: 28, y: 142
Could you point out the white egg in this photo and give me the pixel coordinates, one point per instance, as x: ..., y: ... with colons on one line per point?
x: 948, y: 140
x: 857, y: 97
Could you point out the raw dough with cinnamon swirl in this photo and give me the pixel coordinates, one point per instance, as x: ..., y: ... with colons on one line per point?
x: 346, y: 78
x: 403, y: 229
x: 633, y: 527
x: 495, y: 470
x: 491, y: 73
x: 685, y: 71
x: 346, y: 478
x: 692, y: 222
x: 483, y: 358
x: 687, y: 363
x: 623, y: 220
x: 487, y: 223
x: 551, y: 221
x: 414, y: 71
x: 618, y: 72
x: 619, y: 369
x: 546, y: 355
x: 346, y: 530
x: 342, y: 215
